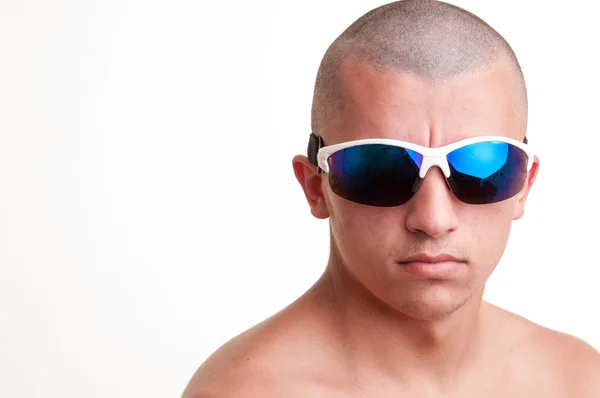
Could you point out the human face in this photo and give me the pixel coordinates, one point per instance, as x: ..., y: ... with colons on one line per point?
x: 427, y: 257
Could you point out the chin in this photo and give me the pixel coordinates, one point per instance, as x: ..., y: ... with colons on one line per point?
x: 433, y: 302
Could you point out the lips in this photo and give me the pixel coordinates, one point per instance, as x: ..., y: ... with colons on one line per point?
x: 432, y: 266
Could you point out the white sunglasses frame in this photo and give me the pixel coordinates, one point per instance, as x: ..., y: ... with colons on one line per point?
x: 431, y: 156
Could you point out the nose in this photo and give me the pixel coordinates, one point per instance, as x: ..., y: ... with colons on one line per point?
x: 432, y: 209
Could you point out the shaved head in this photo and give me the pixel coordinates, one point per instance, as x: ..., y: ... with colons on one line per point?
x: 427, y: 38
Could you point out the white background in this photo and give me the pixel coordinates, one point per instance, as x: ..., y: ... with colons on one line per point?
x: 148, y: 208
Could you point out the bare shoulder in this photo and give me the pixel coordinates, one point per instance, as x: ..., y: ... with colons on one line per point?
x: 572, y: 360
x: 273, y: 359
x: 239, y: 368
x: 548, y: 357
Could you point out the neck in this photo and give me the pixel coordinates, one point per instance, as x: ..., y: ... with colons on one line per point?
x: 378, y: 339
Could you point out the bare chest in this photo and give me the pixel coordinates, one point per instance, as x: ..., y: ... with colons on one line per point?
x: 502, y: 387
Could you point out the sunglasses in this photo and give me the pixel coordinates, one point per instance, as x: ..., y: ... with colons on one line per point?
x: 386, y: 172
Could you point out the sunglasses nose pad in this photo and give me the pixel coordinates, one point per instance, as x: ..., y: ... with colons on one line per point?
x: 419, y: 181
x: 417, y: 184
x: 451, y: 184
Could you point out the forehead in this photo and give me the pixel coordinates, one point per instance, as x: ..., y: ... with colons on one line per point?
x: 386, y: 104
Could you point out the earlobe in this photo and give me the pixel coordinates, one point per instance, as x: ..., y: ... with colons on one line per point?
x: 310, y: 181
x: 520, y: 204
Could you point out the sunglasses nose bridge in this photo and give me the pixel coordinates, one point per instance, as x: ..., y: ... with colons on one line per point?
x: 431, y: 161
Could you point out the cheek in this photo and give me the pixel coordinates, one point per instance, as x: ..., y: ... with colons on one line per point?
x: 490, y: 228
x: 363, y: 233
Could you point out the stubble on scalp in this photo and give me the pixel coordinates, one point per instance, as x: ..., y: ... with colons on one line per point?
x: 427, y: 38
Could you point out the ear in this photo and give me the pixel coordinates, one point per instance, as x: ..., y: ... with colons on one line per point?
x: 522, y: 196
x: 310, y: 181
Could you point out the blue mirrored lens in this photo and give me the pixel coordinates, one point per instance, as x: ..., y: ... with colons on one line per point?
x: 374, y: 174
x: 487, y: 172
x: 480, y: 160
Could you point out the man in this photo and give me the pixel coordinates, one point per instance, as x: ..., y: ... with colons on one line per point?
x: 419, y: 214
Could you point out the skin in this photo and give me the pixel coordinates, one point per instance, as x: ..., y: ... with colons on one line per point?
x: 369, y: 328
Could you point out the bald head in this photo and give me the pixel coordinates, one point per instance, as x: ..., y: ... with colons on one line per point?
x: 428, y: 38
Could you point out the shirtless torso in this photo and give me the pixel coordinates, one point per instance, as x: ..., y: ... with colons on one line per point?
x: 299, y: 353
